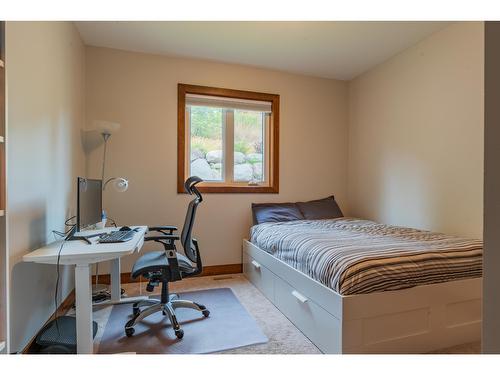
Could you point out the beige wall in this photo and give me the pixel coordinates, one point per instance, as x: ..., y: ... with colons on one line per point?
x: 416, y: 135
x: 45, y: 95
x: 140, y: 92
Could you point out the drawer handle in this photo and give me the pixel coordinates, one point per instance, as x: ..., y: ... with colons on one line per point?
x: 256, y: 265
x: 299, y: 296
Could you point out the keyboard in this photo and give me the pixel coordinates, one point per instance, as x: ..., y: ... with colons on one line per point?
x: 117, y: 236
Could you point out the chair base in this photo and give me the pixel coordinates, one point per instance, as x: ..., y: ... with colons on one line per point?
x: 168, y: 309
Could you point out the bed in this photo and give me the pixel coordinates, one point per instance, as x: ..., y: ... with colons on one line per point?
x: 356, y: 286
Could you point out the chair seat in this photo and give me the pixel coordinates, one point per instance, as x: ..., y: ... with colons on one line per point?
x: 155, y: 261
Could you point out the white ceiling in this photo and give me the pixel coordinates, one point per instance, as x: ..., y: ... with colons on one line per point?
x: 340, y: 50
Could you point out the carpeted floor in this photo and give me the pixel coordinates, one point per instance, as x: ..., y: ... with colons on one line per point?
x: 284, y: 337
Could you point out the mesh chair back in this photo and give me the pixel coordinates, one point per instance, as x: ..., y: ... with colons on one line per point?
x: 186, y: 239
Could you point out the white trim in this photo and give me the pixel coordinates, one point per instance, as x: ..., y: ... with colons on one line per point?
x: 414, y: 320
x: 187, y: 141
x: 228, y: 103
x: 228, y: 145
x: 267, y: 139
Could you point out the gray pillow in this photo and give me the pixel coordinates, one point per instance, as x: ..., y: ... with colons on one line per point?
x: 319, y: 209
x: 275, y: 212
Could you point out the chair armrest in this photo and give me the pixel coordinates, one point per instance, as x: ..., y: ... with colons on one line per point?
x: 170, y: 228
x: 163, y: 237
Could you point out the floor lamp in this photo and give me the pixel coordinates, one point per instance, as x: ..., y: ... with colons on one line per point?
x: 120, y: 184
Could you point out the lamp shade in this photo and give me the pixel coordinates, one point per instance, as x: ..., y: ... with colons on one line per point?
x: 119, y: 184
x: 106, y: 127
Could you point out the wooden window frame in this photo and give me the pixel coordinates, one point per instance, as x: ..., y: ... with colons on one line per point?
x: 182, y: 147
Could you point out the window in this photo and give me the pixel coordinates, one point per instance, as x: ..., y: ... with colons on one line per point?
x: 229, y: 138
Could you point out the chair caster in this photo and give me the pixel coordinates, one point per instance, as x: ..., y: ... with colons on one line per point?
x: 206, y: 313
x: 135, y: 311
x: 129, y: 331
x: 179, y: 333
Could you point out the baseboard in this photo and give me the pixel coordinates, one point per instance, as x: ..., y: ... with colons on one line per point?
x: 63, y: 309
x: 222, y: 269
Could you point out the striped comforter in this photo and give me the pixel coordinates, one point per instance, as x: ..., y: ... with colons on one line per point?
x: 354, y: 256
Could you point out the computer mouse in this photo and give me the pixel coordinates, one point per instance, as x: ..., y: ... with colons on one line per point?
x: 125, y: 228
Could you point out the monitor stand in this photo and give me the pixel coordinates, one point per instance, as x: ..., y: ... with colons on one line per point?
x: 73, y: 237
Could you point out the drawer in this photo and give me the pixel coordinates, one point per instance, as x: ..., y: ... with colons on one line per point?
x: 259, y: 275
x: 317, y: 324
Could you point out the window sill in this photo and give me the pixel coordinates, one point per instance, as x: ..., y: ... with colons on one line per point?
x: 234, y: 189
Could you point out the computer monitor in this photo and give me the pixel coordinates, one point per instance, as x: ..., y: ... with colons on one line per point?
x: 89, y: 206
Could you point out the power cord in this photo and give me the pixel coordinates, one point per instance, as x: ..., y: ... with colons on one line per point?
x: 69, y: 224
x: 113, y: 222
x: 66, y: 224
x: 56, y: 291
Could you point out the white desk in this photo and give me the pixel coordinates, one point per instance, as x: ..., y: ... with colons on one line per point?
x: 82, y: 256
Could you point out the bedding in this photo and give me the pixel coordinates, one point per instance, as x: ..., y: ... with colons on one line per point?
x: 355, y: 256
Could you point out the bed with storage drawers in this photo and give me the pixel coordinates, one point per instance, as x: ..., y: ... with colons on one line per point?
x: 356, y: 286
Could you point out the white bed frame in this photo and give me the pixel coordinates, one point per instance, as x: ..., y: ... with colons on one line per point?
x: 414, y: 320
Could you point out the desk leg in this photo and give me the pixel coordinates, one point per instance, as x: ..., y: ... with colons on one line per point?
x: 83, y: 291
x: 116, y: 287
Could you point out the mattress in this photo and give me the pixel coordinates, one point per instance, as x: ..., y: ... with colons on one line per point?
x: 354, y: 256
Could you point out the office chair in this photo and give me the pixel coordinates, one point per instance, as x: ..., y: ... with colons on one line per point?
x: 169, y: 266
